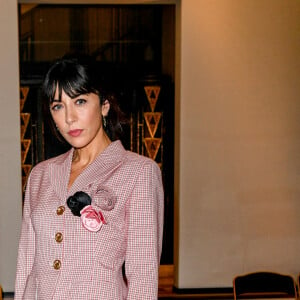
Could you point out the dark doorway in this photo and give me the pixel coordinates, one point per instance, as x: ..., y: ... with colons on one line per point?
x: 134, y: 45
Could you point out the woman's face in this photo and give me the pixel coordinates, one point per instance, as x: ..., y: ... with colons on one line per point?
x: 79, y: 120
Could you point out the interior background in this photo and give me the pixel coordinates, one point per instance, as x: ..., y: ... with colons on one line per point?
x: 237, y: 145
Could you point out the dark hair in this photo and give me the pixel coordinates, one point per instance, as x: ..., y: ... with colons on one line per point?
x: 76, y: 76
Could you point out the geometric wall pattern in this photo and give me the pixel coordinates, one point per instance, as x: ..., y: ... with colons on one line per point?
x: 25, y: 142
x: 152, y: 138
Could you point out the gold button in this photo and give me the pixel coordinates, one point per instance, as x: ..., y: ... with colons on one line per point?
x: 60, y: 210
x: 58, y: 237
x: 57, y: 264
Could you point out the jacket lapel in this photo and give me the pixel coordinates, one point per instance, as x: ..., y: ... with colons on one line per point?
x: 101, y: 168
x: 59, y: 173
x: 98, y: 171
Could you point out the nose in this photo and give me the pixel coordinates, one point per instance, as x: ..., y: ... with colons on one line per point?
x: 70, y: 115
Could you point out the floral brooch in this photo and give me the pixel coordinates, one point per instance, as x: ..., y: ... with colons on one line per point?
x: 91, y: 217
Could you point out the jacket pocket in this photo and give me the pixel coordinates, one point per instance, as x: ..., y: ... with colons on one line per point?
x: 96, y: 283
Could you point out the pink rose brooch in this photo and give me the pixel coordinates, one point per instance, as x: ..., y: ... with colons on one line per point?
x: 91, y: 216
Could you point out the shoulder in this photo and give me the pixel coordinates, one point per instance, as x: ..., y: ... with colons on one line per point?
x: 135, y: 158
x: 142, y: 166
x: 129, y: 159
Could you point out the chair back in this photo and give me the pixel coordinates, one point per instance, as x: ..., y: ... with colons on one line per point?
x: 264, y: 285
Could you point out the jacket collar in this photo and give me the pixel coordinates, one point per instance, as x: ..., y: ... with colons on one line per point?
x: 98, y: 171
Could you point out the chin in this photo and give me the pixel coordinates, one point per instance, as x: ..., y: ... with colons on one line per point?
x: 76, y: 144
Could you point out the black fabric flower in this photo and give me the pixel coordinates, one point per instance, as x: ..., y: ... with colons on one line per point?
x: 78, y: 201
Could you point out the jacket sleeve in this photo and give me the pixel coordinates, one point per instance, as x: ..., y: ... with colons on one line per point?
x: 26, y: 248
x: 144, y: 234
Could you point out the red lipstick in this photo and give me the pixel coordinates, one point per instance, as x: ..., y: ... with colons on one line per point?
x: 75, y: 132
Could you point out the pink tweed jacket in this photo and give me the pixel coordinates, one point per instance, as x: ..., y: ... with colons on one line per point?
x: 60, y: 259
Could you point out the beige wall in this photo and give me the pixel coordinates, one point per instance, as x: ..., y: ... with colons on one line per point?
x: 237, y: 139
x: 239, y: 150
x: 10, y: 156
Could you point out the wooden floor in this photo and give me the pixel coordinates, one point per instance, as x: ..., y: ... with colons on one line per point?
x: 166, y: 283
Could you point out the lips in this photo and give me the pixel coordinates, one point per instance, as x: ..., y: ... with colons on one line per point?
x: 75, y: 132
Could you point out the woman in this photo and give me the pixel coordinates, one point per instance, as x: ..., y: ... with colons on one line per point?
x: 93, y: 209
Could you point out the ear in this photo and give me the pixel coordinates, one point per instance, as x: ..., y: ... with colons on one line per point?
x: 105, y: 108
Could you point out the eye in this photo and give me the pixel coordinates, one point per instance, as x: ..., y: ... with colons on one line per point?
x: 80, y: 101
x: 56, y: 107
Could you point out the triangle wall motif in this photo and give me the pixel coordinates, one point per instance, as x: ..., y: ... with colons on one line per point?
x: 25, y: 117
x: 152, y: 93
x: 23, y: 96
x: 152, y: 146
x: 152, y: 120
x: 25, y: 143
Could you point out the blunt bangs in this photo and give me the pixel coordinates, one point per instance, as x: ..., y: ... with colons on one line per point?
x: 68, y: 76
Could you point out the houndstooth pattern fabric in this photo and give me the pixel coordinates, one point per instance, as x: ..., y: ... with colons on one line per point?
x: 84, y: 264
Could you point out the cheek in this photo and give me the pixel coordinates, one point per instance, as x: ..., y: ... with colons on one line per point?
x: 56, y: 118
x: 94, y: 115
x: 96, y: 120
x: 59, y: 120
x: 53, y: 117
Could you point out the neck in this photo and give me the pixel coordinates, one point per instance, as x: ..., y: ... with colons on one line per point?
x: 85, y: 156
